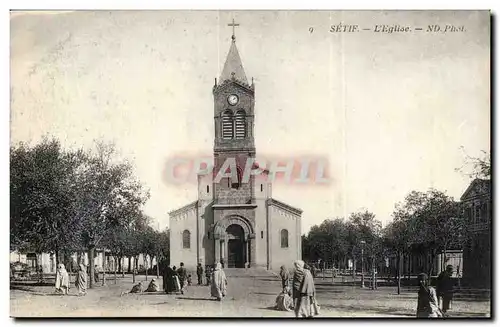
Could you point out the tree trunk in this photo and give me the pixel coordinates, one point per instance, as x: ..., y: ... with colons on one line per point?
x: 134, y: 270
x: 129, y: 263
x: 91, y: 266
x: 353, y: 267
x: 409, y: 266
x: 114, y: 266
x: 399, y: 272
x: 443, y: 266
x: 431, y: 266
x: 119, y: 264
x: 146, y: 265
x: 157, y: 267
x: 57, y: 257
x: 122, y: 261
x: 103, y: 267
x: 458, y: 270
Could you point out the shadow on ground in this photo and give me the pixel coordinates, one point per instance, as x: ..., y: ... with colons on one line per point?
x: 377, y: 310
x: 264, y: 293
x: 195, y: 298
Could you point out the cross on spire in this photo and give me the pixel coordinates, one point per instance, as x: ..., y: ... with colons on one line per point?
x: 233, y: 25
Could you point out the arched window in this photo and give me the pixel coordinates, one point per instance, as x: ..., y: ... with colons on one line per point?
x: 227, y: 125
x: 240, y: 124
x: 186, y: 239
x: 239, y: 174
x: 284, y: 238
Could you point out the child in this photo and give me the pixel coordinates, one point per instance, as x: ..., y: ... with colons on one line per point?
x: 189, y: 280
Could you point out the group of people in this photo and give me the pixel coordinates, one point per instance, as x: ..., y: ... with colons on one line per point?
x: 298, y: 291
x: 175, y: 281
x: 299, y: 294
x: 63, y: 284
x: 435, y: 302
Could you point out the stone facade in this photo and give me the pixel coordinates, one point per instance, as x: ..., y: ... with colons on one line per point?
x: 235, y: 219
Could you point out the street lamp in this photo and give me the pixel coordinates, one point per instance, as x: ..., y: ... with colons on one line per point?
x: 362, y: 264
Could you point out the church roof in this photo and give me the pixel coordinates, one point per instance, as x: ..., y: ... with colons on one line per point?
x: 287, y: 207
x: 233, y: 66
x: 183, y: 209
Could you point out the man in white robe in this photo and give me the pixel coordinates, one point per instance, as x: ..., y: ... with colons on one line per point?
x: 62, y: 280
x: 219, y: 283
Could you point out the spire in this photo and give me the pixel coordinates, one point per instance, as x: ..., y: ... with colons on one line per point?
x: 233, y: 68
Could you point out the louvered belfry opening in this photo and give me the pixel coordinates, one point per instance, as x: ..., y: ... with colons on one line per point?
x: 227, y: 125
x: 240, y: 124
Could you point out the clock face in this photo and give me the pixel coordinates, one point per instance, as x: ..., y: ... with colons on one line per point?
x: 232, y: 99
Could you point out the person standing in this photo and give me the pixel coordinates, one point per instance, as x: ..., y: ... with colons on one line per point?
x: 208, y: 274
x: 182, y: 273
x: 175, y: 280
x: 81, y: 280
x: 199, y: 273
x: 285, y: 277
x: 62, y: 280
x: 168, y: 280
x: 427, y: 306
x: 96, y: 274
x: 444, y: 288
x: 219, y: 283
x: 303, y: 291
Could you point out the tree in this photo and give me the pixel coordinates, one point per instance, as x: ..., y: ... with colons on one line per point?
x: 477, y: 167
x: 117, y: 241
x: 108, y: 196
x: 326, y: 241
x: 164, y: 249
x: 42, y: 192
x: 363, y: 233
x: 396, y: 238
x: 433, y: 221
x: 151, y: 247
x: 137, y: 239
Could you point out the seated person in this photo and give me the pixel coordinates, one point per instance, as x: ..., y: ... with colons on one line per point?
x: 136, y: 289
x: 284, y: 301
x: 153, y: 286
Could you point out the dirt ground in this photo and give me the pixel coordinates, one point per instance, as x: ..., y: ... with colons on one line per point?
x: 250, y: 294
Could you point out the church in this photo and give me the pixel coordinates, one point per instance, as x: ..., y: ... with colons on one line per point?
x: 235, y: 220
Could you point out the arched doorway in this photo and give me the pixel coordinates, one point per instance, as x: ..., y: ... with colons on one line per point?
x: 235, y: 246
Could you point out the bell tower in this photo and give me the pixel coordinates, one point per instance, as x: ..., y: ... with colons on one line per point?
x: 234, y: 103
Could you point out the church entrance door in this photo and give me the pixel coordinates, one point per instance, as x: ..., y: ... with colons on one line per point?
x: 235, y: 246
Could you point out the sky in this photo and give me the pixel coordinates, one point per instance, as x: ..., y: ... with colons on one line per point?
x: 390, y: 112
